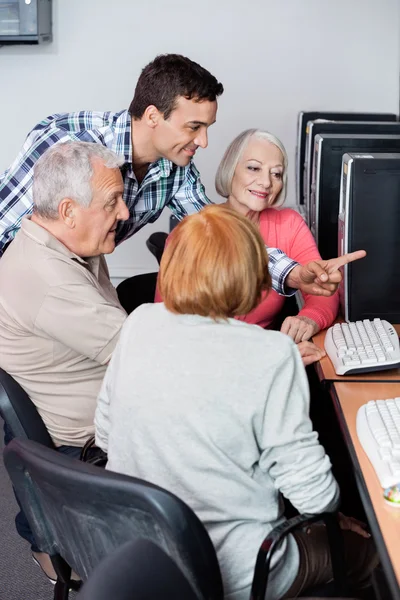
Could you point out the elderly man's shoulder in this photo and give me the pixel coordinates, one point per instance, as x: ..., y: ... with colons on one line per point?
x: 36, y: 266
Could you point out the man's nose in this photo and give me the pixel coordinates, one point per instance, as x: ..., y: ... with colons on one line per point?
x: 123, y: 211
x: 201, y: 139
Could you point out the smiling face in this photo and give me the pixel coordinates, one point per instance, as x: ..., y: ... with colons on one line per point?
x: 258, y: 177
x: 178, y: 137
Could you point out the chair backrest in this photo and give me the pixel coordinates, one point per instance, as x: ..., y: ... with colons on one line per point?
x: 138, y: 570
x: 19, y: 412
x: 156, y: 244
x: 90, y: 512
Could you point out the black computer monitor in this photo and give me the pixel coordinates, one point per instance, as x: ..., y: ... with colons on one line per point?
x: 369, y: 219
x: 325, y: 186
x: 305, y: 116
x: 316, y: 127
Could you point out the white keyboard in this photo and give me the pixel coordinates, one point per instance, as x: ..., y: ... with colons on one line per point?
x: 378, y: 429
x: 362, y: 346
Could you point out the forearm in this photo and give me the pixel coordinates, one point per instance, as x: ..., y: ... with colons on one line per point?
x: 305, y: 478
x: 293, y: 457
x: 321, y: 310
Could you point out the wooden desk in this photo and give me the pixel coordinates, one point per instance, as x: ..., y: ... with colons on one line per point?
x: 383, y: 519
x: 326, y: 372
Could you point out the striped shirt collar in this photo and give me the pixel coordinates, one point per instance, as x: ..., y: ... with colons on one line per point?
x: 122, y: 144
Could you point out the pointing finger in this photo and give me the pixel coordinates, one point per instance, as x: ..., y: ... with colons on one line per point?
x: 348, y: 258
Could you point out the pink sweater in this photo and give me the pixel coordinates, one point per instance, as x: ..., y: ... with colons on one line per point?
x: 286, y: 229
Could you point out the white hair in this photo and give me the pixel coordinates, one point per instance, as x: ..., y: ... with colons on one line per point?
x: 228, y: 164
x: 65, y: 170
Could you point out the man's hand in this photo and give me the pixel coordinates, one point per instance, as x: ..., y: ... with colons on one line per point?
x: 310, y: 353
x: 321, y: 277
x: 300, y: 329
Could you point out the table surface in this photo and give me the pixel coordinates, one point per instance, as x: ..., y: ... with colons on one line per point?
x: 383, y: 519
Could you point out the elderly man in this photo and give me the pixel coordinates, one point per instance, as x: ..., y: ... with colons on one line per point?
x: 59, y: 313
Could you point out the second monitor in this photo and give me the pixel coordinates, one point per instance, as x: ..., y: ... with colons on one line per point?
x: 369, y: 219
x: 316, y: 127
x: 327, y: 165
x: 305, y: 116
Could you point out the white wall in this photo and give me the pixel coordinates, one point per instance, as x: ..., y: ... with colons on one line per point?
x: 257, y: 48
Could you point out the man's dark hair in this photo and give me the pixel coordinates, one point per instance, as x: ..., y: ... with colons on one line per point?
x: 169, y: 76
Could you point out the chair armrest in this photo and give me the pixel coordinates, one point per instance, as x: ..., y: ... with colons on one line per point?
x: 275, y: 537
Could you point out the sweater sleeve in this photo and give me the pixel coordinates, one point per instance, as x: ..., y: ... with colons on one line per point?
x: 303, y: 249
x: 290, y: 451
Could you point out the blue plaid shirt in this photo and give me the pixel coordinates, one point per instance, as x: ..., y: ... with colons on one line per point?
x: 165, y: 184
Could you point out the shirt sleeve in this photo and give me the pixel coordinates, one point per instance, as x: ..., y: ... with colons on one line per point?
x: 279, y: 266
x: 290, y: 451
x: 191, y: 196
x: 322, y: 310
x: 16, y: 182
x: 80, y: 318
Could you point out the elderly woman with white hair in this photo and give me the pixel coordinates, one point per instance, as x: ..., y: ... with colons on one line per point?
x: 252, y: 176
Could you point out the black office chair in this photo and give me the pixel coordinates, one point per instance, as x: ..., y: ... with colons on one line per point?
x: 19, y: 412
x: 22, y: 418
x: 129, y: 574
x: 138, y: 570
x: 137, y: 290
x: 173, y: 222
x: 90, y: 512
x: 339, y: 585
x: 141, y: 289
x: 156, y: 244
x: 83, y: 513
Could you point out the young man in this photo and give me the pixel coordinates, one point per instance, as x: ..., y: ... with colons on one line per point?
x: 174, y: 104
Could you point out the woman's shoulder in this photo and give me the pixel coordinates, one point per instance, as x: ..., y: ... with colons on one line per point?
x: 144, y: 315
x: 281, y: 215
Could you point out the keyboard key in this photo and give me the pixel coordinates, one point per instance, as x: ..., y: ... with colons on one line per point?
x: 395, y: 468
x: 368, y: 360
x: 385, y: 453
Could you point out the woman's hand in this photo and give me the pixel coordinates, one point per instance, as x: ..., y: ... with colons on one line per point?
x: 352, y: 524
x: 300, y: 329
x: 310, y: 353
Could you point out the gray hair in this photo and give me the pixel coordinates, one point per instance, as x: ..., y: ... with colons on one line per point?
x: 65, y: 170
x: 228, y: 164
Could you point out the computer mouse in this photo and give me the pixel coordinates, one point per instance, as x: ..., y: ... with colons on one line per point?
x: 392, y: 495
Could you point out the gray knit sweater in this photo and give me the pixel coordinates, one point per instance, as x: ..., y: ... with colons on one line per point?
x: 217, y: 413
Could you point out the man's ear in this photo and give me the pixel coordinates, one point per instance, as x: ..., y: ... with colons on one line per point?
x: 67, y: 212
x: 152, y: 116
